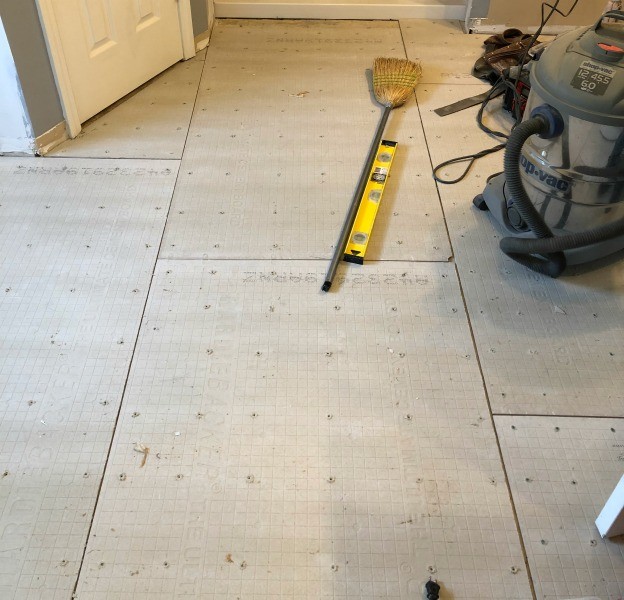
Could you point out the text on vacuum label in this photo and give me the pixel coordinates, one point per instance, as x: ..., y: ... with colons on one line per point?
x: 544, y: 176
x: 592, y: 78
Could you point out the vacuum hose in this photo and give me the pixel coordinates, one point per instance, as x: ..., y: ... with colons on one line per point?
x: 544, y: 254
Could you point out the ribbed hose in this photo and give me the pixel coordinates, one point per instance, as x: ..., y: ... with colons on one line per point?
x: 513, y: 177
x: 551, y: 263
x: 545, y: 254
x: 512, y: 246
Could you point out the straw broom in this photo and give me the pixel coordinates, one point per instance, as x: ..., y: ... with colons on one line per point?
x: 394, y: 81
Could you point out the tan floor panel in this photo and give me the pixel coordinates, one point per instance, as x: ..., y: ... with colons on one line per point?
x: 78, y: 240
x: 446, y: 52
x: 151, y: 122
x: 546, y: 346
x: 303, y: 445
x: 283, y: 123
x: 562, y: 471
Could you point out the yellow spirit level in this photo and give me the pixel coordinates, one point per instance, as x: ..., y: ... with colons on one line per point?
x: 369, y: 203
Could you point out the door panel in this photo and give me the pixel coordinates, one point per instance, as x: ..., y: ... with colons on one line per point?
x: 148, y: 13
x: 113, y: 46
x: 97, y: 21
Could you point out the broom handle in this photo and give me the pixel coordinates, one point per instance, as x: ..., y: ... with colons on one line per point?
x: 341, y: 244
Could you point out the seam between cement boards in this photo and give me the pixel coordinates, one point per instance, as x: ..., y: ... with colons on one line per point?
x: 498, y: 445
x: 558, y: 416
x: 422, y: 127
x: 248, y: 259
x: 478, y: 358
x: 72, y: 157
x: 134, y: 347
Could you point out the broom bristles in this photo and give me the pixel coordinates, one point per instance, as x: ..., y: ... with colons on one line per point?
x: 394, y: 80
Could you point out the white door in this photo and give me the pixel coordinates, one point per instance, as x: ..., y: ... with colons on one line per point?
x: 111, y: 47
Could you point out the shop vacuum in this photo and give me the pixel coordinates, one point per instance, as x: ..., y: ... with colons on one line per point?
x: 560, y: 199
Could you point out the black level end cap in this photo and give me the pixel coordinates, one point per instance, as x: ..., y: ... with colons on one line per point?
x: 356, y: 260
x: 326, y: 286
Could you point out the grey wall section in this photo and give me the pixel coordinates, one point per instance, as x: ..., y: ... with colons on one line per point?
x: 479, y: 9
x: 23, y: 30
x: 528, y: 13
x: 199, y: 9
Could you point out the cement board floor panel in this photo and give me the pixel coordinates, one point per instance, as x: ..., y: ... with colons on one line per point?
x: 551, y: 347
x: 277, y: 442
x: 283, y: 123
x: 562, y: 470
x: 78, y: 242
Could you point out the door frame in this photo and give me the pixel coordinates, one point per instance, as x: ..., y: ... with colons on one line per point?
x: 59, y: 64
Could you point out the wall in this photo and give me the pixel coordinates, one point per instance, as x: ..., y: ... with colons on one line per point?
x: 15, y: 132
x: 527, y: 12
x: 23, y: 30
x: 199, y: 9
x: 478, y: 8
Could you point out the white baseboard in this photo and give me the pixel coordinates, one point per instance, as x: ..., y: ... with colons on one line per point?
x: 52, y: 138
x: 341, y: 9
x: 481, y: 26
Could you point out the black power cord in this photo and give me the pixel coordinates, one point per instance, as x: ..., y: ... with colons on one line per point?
x: 469, y: 158
x: 505, y: 81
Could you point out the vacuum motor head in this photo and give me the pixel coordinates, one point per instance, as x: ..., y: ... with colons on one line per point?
x: 581, y: 73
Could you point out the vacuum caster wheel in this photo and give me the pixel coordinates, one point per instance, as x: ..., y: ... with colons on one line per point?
x: 479, y: 202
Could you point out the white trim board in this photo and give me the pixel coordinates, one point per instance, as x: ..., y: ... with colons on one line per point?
x: 59, y: 66
x: 610, y: 521
x: 340, y: 9
x: 186, y: 29
x: 52, y: 138
x: 479, y: 26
